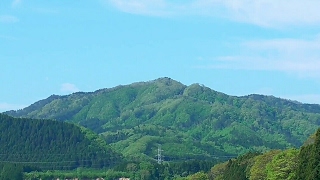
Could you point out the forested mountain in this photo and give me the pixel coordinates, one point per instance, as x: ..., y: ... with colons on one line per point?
x: 187, y: 121
x: 49, y: 144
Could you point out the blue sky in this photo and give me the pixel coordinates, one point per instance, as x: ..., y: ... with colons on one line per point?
x: 238, y: 47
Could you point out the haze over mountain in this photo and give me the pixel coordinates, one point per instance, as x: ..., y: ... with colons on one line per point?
x: 187, y: 121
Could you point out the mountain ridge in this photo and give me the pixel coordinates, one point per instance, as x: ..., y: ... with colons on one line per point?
x: 104, y: 90
x: 136, y: 118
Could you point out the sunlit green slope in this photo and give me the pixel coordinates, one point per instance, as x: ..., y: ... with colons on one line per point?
x: 187, y: 121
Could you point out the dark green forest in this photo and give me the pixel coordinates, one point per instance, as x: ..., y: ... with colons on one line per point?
x: 189, y: 122
x: 51, y: 144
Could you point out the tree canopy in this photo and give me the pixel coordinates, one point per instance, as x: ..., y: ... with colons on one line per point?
x: 52, y: 144
x: 190, y: 122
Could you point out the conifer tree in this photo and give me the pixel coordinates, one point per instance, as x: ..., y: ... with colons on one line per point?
x: 309, y: 161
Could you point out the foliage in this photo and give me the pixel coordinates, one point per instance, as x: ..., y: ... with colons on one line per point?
x: 289, y: 164
x: 77, y: 174
x: 217, y: 171
x: 133, y: 170
x: 52, y: 144
x: 238, y: 168
x: 309, y: 160
x: 283, y: 165
x: 258, y: 169
x: 198, y: 176
x: 190, y: 122
x: 11, y: 171
x: 195, y: 126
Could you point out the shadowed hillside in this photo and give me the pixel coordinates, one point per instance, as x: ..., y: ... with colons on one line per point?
x: 52, y: 145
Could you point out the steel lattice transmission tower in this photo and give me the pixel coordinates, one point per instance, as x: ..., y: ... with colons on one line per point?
x: 159, y: 155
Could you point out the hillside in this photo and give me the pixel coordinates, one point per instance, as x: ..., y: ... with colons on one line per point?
x: 52, y: 145
x: 187, y: 121
x: 300, y: 164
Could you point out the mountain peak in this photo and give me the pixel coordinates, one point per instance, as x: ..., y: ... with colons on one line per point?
x: 165, y: 108
x: 166, y: 81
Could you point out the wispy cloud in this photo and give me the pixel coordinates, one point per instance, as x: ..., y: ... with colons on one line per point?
x: 68, y: 88
x: 270, y: 13
x: 144, y: 7
x: 298, y: 56
x: 8, y: 19
x: 6, y: 106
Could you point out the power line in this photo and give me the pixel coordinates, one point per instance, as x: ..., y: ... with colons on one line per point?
x: 60, y: 165
x: 46, y: 162
x: 55, y: 154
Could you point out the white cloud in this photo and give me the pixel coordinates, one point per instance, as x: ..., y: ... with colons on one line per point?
x: 271, y: 13
x: 6, y: 107
x: 8, y: 19
x: 68, y: 88
x: 297, y: 56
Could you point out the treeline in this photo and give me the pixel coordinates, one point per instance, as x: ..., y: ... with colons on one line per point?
x: 131, y: 169
x: 51, y: 144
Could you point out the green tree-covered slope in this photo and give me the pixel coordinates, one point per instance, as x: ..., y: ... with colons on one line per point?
x: 288, y: 164
x: 187, y: 121
x: 52, y: 145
